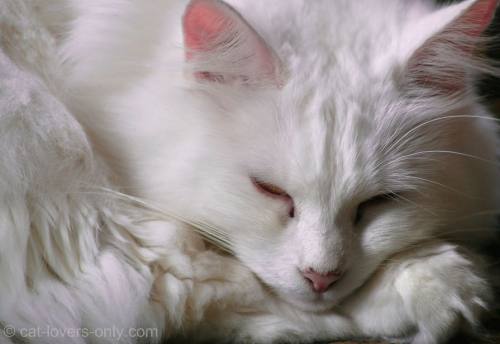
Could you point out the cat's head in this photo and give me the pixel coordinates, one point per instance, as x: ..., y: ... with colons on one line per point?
x: 315, y: 157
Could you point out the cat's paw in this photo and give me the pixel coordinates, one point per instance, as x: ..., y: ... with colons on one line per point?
x: 172, y: 289
x: 222, y: 282
x: 442, y: 291
x: 200, y: 282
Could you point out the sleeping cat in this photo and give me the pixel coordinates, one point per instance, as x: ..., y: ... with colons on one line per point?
x: 333, y: 155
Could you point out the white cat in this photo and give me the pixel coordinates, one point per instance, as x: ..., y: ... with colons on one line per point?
x: 337, y: 150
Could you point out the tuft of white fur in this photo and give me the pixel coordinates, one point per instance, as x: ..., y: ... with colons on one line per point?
x: 115, y: 157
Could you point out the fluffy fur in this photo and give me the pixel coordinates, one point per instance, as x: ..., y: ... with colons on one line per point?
x: 335, y: 102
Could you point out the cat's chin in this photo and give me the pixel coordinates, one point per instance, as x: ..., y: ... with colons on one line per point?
x: 321, y: 303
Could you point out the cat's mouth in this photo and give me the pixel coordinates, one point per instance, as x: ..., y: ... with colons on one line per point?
x: 313, y: 302
x: 318, y: 304
x: 306, y: 299
x: 309, y: 301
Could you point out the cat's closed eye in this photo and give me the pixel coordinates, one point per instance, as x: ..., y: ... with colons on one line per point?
x: 274, y: 191
x: 372, y: 202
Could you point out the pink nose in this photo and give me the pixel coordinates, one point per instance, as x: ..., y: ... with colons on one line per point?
x: 321, y: 282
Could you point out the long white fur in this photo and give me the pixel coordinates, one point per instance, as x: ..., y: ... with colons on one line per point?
x: 349, y: 122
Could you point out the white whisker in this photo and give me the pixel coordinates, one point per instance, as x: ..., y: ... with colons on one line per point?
x: 390, y: 147
x: 213, y: 234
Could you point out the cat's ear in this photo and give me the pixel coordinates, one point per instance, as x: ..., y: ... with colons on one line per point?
x: 222, y: 47
x: 447, y: 43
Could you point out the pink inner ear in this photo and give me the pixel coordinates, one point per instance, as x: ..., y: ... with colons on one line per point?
x: 214, y: 31
x: 204, y: 22
x: 479, y: 16
x: 472, y: 23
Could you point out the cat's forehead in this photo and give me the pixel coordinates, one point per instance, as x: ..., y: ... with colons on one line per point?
x: 341, y: 101
x: 325, y: 129
x: 358, y: 32
x: 332, y: 135
x: 341, y: 93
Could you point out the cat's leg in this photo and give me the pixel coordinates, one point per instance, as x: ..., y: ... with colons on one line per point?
x: 442, y: 292
x: 420, y: 296
x: 196, y: 283
x: 192, y: 281
x: 423, y: 295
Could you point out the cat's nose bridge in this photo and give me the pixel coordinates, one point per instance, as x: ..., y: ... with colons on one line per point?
x: 324, y: 249
x: 324, y: 262
x: 320, y: 244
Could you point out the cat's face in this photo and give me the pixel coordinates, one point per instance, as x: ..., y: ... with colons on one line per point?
x: 301, y: 185
x: 309, y: 168
x: 295, y: 185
